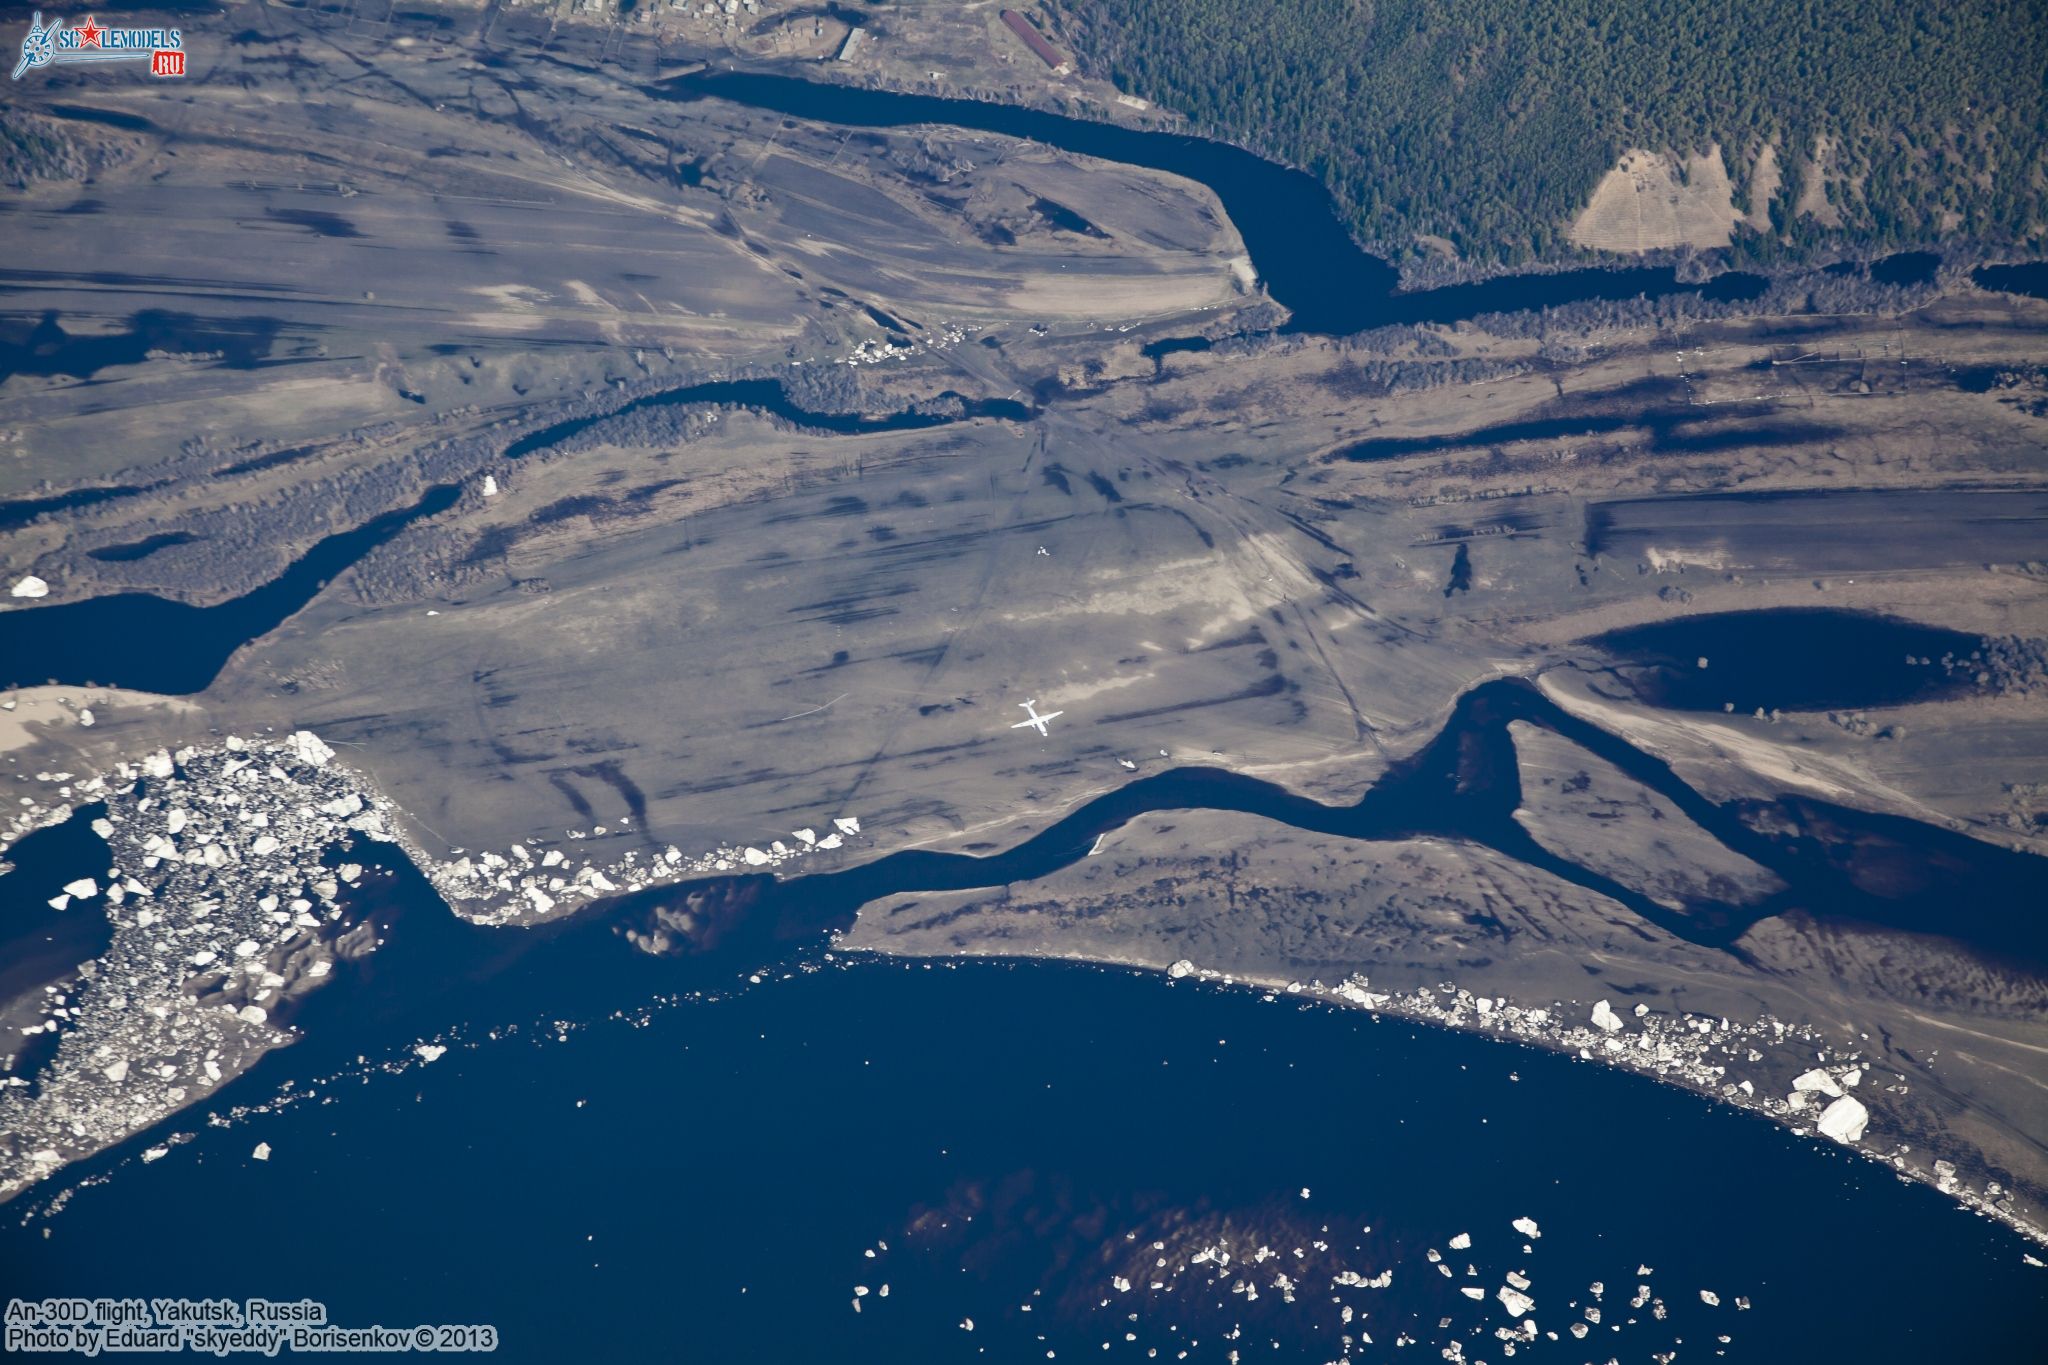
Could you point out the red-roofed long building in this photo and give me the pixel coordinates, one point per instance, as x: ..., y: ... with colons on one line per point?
x: 1034, y: 40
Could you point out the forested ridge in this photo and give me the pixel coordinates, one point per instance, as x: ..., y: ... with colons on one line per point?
x: 1488, y: 122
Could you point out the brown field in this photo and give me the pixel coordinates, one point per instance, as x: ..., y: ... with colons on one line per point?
x: 1651, y: 201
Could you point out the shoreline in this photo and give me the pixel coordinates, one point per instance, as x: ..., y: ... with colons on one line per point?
x: 1673, y: 1048
x: 1503, y: 1021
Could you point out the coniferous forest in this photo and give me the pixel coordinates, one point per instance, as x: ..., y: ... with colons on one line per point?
x: 1488, y: 122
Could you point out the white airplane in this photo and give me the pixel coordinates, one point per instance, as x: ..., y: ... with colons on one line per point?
x: 1037, y: 722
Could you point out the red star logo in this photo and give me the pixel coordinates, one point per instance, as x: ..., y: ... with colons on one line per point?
x: 89, y: 32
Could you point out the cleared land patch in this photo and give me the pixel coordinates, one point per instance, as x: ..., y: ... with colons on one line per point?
x: 1652, y: 200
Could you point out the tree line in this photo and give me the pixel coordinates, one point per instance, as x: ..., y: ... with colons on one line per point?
x: 1488, y: 122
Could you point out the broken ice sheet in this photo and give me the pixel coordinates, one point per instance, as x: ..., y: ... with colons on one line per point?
x: 1844, y: 1120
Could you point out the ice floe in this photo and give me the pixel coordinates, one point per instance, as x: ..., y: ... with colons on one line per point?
x: 1816, y: 1080
x: 1844, y: 1120
x: 308, y: 748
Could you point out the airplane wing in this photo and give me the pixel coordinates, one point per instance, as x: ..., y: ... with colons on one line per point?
x: 1026, y: 724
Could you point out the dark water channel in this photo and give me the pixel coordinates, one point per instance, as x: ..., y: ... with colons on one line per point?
x: 1289, y: 223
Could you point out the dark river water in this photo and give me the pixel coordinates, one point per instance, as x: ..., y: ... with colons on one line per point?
x: 1906, y: 267
x: 1837, y: 863
x: 1013, y: 1136
x: 655, y: 1161
x: 1289, y: 223
x: 1791, y: 659
x: 611, y: 1180
x: 2023, y: 277
x: 703, y: 1182
x: 36, y: 942
x: 143, y: 641
x: 153, y: 644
